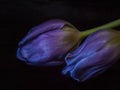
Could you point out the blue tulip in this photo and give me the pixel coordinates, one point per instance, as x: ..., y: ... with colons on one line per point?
x: 48, y: 43
x: 97, y: 53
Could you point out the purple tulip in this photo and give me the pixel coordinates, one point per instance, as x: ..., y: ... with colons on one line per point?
x: 97, y: 53
x: 48, y: 43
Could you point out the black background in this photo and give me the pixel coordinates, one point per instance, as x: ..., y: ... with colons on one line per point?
x: 18, y: 16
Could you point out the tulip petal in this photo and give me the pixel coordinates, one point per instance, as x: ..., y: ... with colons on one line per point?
x: 42, y: 28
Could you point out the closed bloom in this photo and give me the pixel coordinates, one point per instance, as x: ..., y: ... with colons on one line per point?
x: 48, y: 43
x: 97, y: 53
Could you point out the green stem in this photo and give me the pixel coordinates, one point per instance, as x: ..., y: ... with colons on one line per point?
x: 112, y: 24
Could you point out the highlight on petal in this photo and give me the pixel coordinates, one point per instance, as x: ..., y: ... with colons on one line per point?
x: 97, y: 53
x: 48, y: 43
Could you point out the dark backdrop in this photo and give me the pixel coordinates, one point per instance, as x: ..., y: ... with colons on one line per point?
x: 18, y: 16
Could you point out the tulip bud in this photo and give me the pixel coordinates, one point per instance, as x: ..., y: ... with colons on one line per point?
x: 48, y: 43
x: 97, y: 53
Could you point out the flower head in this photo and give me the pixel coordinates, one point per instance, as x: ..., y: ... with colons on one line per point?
x: 97, y: 53
x: 48, y: 43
